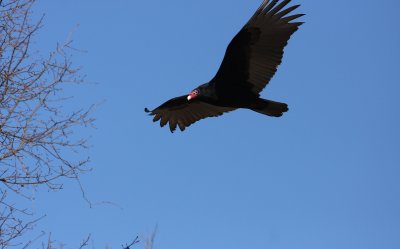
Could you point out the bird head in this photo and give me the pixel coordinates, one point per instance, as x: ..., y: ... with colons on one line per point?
x: 193, y: 94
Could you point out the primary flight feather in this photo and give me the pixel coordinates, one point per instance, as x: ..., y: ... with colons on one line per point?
x: 250, y: 61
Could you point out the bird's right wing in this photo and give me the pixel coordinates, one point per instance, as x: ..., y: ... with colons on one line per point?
x: 179, y: 111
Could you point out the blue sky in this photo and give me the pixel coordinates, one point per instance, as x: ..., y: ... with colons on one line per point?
x: 325, y: 175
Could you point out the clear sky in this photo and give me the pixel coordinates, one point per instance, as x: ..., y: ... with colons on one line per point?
x: 325, y: 175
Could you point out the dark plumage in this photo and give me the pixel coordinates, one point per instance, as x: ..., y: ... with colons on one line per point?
x: 250, y: 62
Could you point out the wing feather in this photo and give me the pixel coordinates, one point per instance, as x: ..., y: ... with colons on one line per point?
x: 269, y: 7
x: 290, y: 18
x: 285, y: 12
x: 278, y: 7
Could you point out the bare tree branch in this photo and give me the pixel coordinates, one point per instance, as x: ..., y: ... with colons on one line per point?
x: 135, y: 241
x: 37, y: 141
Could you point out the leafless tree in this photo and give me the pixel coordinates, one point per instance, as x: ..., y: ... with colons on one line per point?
x: 37, y: 144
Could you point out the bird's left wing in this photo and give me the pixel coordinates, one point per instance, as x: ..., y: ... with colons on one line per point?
x: 179, y: 111
x: 254, y: 54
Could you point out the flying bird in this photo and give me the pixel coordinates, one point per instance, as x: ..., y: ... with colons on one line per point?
x: 250, y: 61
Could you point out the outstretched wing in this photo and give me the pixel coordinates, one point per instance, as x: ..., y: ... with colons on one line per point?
x: 179, y: 111
x: 254, y: 54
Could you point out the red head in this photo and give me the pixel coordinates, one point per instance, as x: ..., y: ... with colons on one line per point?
x: 193, y: 94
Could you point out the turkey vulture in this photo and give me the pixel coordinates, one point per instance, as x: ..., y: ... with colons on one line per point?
x: 250, y: 61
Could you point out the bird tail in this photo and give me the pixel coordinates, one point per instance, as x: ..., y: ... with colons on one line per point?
x: 270, y: 108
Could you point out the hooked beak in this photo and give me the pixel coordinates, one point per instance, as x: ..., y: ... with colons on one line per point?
x: 191, y: 95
